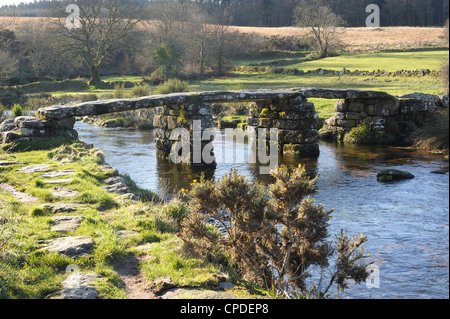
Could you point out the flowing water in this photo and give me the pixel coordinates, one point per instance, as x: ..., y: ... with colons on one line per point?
x: 407, y: 222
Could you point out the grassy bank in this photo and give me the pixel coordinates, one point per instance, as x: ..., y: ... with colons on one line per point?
x: 121, y: 228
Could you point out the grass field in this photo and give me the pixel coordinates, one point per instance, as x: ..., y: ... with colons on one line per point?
x: 385, y: 61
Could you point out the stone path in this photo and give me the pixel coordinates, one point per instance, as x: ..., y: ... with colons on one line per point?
x: 9, y: 163
x: 66, y: 223
x: 35, y: 168
x: 64, y: 192
x: 59, y: 181
x: 61, y: 207
x: 23, y: 197
x: 78, y: 286
x: 74, y: 247
x: 67, y: 172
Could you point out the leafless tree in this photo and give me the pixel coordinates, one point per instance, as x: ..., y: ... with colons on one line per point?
x: 105, y: 26
x: 219, y: 30
x: 324, y: 23
x: 8, y: 66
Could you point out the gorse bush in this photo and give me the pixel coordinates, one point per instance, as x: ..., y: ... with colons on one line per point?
x: 274, y: 236
x: 172, y: 86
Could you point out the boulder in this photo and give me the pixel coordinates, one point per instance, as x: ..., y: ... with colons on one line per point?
x: 392, y: 175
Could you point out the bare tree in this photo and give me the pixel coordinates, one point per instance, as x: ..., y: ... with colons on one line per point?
x: 324, y: 23
x: 219, y: 31
x: 8, y: 66
x: 199, y: 34
x: 105, y: 26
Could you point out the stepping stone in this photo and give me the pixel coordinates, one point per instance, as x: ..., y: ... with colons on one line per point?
x: 7, y: 163
x: 73, y: 247
x: 66, y: 223
x: 124, y: 234
x: 115, y: 185
x: 35, y: 168
x: 78, y: 286
x: 59, y: 181
x: 23, y: 197
x: 64, y: 192
x: 61, y: 208
x: 66, y: 172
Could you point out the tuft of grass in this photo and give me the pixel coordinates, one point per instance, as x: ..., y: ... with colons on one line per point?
x: 17, y: 110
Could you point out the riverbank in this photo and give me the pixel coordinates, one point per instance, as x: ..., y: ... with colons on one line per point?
x: 69, y: 219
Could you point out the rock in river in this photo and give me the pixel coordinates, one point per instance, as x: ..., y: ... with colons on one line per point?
x: 393, y: 175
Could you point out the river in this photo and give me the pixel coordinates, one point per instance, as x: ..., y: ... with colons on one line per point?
x: 407, y: 223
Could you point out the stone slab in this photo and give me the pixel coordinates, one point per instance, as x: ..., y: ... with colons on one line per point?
x: 74, y: 247
x: 35, y: 168
x: 66, y: 223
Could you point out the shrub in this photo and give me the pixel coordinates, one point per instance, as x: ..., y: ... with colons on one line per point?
x: 366, y: 134
x: 17, y: 110
x: 168, y: 59
x: 275, y: 236
x: 119, y: 91
x: 172, y: 86
x: 141, y: 90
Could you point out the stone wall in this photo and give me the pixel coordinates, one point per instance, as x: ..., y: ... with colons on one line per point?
x: 25, y: 128
x: 381, y: 113
x: 169, y: 118
x: 295, y: 120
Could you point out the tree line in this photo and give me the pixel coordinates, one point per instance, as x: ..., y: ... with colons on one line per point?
x: 277, y: 13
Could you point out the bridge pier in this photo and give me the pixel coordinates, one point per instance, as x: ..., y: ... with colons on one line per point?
x: 194, y: 119
x: 296, y: 121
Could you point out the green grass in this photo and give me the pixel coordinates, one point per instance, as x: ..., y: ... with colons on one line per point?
x: 391, y: 85
x: 29, y: 272
x: 384, y: 61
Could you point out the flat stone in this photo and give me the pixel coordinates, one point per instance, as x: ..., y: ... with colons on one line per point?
x: 64, y: 192
x: 23, y: 197
x: 66, y: 223
x: 8, y: 163
x: 35, y: 168
x: 79, y: 286
x: 67, y: 172
x: 61, y: 208
x: 59, y: 181
x: 74, y: 247
x: 124, y: 234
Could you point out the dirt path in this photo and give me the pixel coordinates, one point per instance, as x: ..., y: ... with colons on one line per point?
x: 133, y: 280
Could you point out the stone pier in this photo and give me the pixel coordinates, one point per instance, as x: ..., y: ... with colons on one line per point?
x: 296, y: 121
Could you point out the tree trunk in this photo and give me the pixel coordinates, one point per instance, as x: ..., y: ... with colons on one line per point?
x: 95, y: 77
